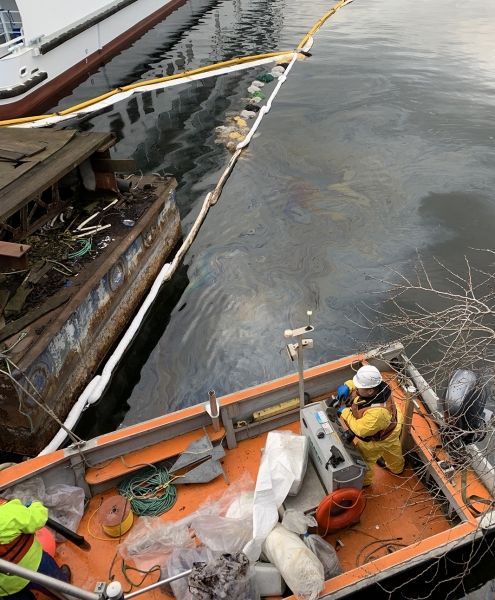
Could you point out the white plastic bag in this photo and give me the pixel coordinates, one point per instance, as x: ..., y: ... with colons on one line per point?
x: 326, y: 554
x: 299, y: 566
x: 283, y: 461
x: 296, y: 521
x: 222, y: 534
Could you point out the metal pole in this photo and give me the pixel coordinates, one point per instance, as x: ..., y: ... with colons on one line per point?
x: 46, y: 581
x: 214, y: 412
x: 5, y: 27
x: 158, y: 584
x: 300, y: 370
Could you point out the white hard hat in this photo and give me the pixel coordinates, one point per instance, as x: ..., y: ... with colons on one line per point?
x: 367, y: 377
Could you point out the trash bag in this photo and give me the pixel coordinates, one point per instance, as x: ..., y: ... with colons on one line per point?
x: 228, y: 577
x: 280, y: 473
x: 299, y: 566
x: 181, y: 560
x: 151, y: 541
x: 296, y: 521
x: 326, y: 554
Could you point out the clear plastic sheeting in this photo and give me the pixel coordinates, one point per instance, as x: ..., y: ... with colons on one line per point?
x: 326, y: 553
x: 151, y: 542
x: 299, y: 566
x: 283, y: 462
x: 229, y: 533
x: 65, y: 503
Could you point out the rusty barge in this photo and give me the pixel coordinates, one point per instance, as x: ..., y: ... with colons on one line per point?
x: 79, y: 247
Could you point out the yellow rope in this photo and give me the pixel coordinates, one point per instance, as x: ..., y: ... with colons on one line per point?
x: 320, y: 22
x: 121, y: 528
x: 132, y: 86
x: 184, y: 74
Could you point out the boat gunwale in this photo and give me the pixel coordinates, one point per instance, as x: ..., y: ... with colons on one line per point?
x: 152, y: 428
x: 415, y: 554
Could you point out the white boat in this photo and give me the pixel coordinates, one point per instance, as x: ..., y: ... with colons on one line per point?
x: 45, y: 46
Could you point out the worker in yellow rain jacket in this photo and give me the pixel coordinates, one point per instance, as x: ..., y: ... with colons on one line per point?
x: 18, y: 544
x: 374, y: 419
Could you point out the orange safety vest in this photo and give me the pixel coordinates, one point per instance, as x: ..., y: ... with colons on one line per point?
x: 357, y: 413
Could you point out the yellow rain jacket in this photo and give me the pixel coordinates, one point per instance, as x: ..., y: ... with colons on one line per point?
x: 378, y: 430
x: 18, y: 543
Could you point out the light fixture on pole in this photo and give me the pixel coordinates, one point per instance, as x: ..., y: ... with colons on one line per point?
x: 295, y: 350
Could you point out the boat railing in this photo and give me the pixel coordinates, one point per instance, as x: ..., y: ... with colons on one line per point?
x: 112, y: 592
x: 10, y: 29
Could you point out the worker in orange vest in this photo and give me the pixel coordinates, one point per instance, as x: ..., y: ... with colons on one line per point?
x: 18, y: 544
x: 373, y: 417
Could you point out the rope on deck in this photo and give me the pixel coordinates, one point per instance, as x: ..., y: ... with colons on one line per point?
x: 149, y: 491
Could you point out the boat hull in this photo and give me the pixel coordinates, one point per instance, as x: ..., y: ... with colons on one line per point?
x: 72, y: 345
x: 47, y: 73
x: 398, y: 546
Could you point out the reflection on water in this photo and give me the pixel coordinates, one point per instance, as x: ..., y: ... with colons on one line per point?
x: 341, y: 185
x: 379, y: 145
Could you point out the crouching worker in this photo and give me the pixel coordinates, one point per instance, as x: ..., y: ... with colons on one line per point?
x: 374, y: 419
x: 19, y: 545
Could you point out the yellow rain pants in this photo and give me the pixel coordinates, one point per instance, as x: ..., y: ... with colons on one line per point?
x: 376, y: 419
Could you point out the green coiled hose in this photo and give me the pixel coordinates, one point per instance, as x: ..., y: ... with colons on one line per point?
x: 149, y: 491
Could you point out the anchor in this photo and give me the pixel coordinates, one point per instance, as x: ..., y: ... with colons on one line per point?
x: 204, y: 458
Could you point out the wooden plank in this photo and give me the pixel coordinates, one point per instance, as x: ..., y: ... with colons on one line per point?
x: 38, y: 271
x: 13, y: 250
x: 17, y: 150
x: 16, y: 302
x: 20, y: 324
x: 4, y: 296
x: 23, y: 142
x: 44, y: 174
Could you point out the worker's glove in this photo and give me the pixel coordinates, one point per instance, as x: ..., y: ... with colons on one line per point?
x: 343, y: 392
x: 340, y: 410
x: 27, y: 503
x: 348, y: 436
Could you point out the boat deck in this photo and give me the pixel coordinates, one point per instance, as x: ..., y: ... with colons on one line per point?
x: 383, y: 527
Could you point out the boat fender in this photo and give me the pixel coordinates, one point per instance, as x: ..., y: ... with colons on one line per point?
x: 340, y: 509
x: 47, y: 541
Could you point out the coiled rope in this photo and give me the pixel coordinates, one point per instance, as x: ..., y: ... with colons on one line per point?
x: 149, y: 491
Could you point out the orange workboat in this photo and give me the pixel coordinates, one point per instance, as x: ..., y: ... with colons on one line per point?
x: 403, y: 533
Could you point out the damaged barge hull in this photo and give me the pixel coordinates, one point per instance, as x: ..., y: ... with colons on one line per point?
x: 62, y: 351
x: 79, y: 248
